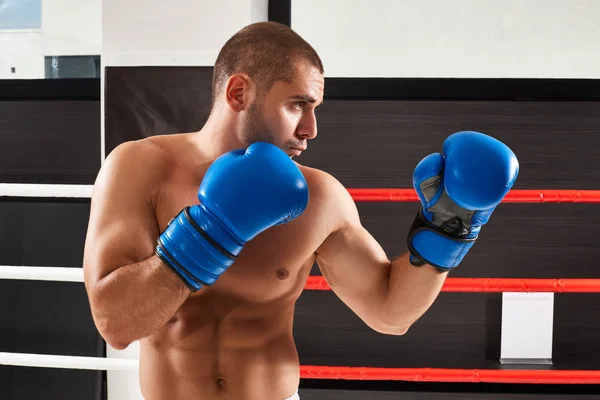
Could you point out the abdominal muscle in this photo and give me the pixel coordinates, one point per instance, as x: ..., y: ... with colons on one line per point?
x: 220, y: 346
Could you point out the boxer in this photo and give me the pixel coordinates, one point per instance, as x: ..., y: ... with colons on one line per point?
x: 199, y: 244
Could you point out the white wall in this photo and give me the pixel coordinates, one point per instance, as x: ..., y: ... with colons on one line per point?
x: 72, y: 27
x: 182, y: 32
x: 453, y: 38
x: 21, y: 49
x: 69, y: 27
x: 160, y: 33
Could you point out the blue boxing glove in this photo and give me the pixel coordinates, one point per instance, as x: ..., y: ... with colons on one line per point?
x: 243, y: 193
x: 459, y: 190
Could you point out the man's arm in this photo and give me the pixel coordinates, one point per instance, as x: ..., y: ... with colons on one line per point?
x: 459, y: 190
x: 387, y: 296
x: 131, y: 293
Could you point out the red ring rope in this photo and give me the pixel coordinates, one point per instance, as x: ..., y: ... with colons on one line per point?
x: 451, y: 375
x: 494, y: 285
x: 514, y: 196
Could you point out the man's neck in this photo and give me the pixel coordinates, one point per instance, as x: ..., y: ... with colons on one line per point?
x: 217, y: 137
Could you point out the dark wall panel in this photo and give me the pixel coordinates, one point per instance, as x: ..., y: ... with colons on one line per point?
x: 370, y: 143
x: 49, y: 141
x: 46, y: 317
x: 45, y: 383
x: 577, y: 330
x: 147, y: 101
x: 43, y: 233
x: 460, y: 330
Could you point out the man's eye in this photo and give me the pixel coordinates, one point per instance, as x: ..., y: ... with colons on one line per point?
x: 300, y: 104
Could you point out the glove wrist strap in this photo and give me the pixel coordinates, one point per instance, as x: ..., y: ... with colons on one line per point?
x: 191, y: 251
x: 192, y: 283
x: 205, y: 235
x: 429, y: 244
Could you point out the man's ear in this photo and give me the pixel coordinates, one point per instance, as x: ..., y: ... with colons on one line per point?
x: 239, y: 92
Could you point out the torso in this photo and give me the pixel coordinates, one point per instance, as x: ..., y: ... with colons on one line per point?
x: 232, y: 340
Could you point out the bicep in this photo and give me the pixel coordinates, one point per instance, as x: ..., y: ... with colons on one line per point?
x: 353, y: 262
x: 122, y: 226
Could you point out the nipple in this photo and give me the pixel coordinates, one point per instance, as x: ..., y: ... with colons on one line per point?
x: 282, y: 273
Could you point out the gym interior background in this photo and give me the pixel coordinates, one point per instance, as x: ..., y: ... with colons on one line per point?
x: 77, y: 78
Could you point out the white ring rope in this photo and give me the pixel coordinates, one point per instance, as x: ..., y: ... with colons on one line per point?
x: 69, y: 362
x: 40, y: 190
x: 60, y: 274
x: 57, y: 274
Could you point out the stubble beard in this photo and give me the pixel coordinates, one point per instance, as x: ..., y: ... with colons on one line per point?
x: 254, y: 129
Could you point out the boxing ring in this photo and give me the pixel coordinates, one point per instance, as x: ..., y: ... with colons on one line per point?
x: 474, y: 285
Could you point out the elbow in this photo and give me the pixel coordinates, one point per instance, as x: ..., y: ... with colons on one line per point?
x: 113, y: 338
x: 107, y: 325
x: 111, y: 335
x: 393, y: 330
x: 118, y: 345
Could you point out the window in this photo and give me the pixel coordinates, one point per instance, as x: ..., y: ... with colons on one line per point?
x: 20, y: 14
x: 72, y: 67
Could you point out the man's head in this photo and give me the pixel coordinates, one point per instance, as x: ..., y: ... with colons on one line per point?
x: 269, y: 80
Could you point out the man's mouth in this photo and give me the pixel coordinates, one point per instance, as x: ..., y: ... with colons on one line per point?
x: 297, y: 150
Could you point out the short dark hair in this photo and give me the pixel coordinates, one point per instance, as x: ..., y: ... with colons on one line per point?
x: 267, y: 52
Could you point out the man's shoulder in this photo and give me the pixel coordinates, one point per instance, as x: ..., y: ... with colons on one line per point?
x: 322, y: 184
x: 317, y: 177
x: 138, y: 159
x: 148, y: 151
x: 330, y: 200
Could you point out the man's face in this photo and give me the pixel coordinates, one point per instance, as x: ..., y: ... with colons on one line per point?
x: 285, y: 115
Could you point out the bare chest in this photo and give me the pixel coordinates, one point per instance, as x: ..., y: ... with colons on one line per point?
x: 271, y: 267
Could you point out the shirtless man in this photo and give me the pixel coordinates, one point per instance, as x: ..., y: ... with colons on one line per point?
x: 204, y: 266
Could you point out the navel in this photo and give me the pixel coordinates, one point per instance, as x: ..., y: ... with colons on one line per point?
x: 282, y: 273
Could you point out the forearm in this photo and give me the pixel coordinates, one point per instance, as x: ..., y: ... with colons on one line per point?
x: 136, y: 300
x: 409, y: 294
